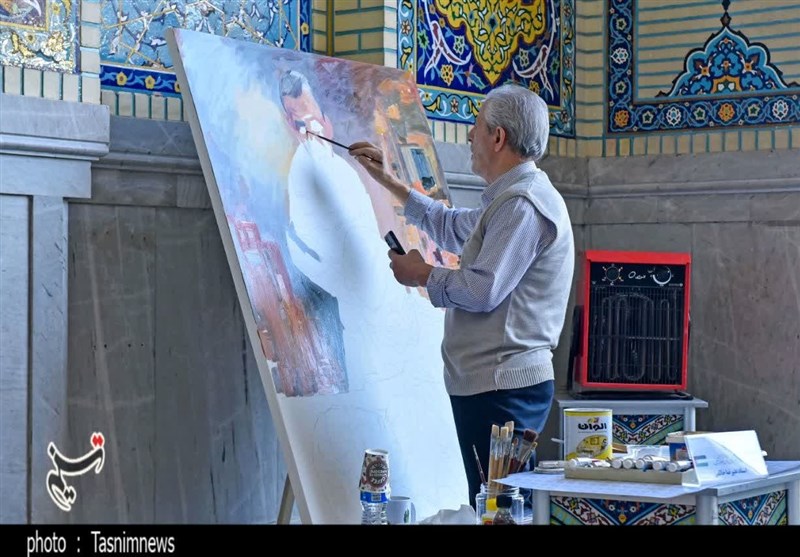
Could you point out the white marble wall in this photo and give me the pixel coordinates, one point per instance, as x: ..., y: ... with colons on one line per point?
x: 14, y: 246
x: 158, y: 353
x: 46, y: 149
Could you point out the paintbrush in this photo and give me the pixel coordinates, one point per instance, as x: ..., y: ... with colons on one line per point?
x: 304, y: 130
x: 493, y: 450
x: 478, y: 462
x: 507, y: 454
x: 526, y: 448
x: 505, y: 445
x: 513, y: 459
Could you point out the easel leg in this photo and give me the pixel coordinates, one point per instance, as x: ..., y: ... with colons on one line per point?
x: 287, y: 502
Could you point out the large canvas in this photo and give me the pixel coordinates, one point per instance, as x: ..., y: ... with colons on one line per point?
x: 349, y: 359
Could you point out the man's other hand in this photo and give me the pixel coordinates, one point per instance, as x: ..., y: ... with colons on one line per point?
x: 409, y: 269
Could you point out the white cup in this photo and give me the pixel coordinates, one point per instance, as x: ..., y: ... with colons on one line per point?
x: 400, y: 510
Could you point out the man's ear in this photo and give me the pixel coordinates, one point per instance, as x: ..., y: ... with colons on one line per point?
x: 499, y: 139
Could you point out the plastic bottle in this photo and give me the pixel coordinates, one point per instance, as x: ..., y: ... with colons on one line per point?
x: 373, y: 508
x: 503, y: 515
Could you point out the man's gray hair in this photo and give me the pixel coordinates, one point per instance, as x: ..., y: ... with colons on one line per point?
x: 523, y: 115
x: 293, y: 83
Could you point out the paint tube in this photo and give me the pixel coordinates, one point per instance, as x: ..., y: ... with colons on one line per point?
x: 679, y: 465
x: 660, y: 465
x: 648, y: 461
x: 580, y: 462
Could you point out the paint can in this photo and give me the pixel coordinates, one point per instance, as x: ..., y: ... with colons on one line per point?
x: 587, y: 433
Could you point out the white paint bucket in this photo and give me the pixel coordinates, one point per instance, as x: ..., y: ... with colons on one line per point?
x: 587, y: 433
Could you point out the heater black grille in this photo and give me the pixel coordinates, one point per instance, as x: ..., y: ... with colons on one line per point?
x: 636, y: 324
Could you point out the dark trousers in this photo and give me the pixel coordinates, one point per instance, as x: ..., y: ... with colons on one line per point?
x: 474, y: 416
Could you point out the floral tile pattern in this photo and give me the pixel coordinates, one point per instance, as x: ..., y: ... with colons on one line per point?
x: 134, y: 52
x: 727, y: 82
x: 460, y: 49
x: 40, y: 34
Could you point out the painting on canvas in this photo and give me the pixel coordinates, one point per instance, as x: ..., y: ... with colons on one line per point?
x: 349, y: 358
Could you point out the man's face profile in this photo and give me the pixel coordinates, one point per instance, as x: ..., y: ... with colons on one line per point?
x: 480, y: 144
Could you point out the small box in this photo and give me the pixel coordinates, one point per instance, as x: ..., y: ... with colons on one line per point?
x: 677, y: 446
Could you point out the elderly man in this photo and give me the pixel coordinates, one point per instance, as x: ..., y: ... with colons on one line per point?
x: 505, y: 305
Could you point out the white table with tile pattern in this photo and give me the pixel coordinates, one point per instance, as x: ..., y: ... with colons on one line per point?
x: 774, y: 499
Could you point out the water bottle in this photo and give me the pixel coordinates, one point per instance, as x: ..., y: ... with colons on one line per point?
x: 373, y: 508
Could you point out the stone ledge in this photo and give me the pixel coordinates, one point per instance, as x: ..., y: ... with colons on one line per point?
x: 47, y: 146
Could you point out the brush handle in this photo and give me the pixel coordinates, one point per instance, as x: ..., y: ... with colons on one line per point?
x: 328, y: 139
x: 342, y: 145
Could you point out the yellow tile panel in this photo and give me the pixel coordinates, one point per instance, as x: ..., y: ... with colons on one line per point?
x: 684, y: 144
x: 158, y: 106
x: 372, y: 39
x: 589, y: 147
x: 390, y: 59
x: 712, y: 10
x: 356, y: 21
x: 345, y: 43
x: 32, y: 82
x: 109, y: 98
x: 589, y: 7
x: 90, y: 36
x: 369, y: 58
x: 589, y: 112
x: 174, y: 109
x: 715, y: 142
x: 90, y: 89
x: 624, y: 146
x: 141, y: 105
x: 389, y: 40
x: 668, y: 144
x: 90, y: 12
x: 70, y: 87
x: 90, y: 60
x: 731, y: 141
x: 764, y: 140
x: 593, y: 42
x: 52, y: 85
x: 639, y: 145
x: 781, y: 138
x: 594, y: 129
x: 593, y: 95
x: 748, y: 140
x: 653, y: 145
x: 699, y: 143
x: 124, y: 104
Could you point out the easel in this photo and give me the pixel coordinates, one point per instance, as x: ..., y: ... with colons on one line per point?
x: 287, y: 502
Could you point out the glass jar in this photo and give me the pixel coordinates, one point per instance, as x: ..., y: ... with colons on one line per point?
x: 486, y: 503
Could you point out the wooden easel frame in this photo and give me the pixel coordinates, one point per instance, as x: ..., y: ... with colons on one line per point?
x: 287, y: 503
